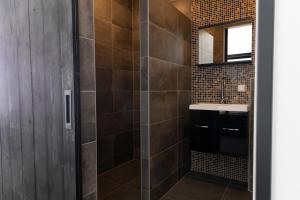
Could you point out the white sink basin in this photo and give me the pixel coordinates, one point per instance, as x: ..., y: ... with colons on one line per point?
x: 220, y: 107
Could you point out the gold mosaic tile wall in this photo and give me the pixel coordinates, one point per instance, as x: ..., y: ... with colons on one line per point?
x: 206, y: 81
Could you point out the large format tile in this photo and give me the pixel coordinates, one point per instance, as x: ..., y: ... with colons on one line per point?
x: 162, y: 75
x: 235, y: 194
x: 169, y: 160
x: 103, y: 32
x: 123, y: 174
x: 122, y: 13
x: 121, y: 37
x: 162, y: 44
x: 122, y: 59
x: 163, y: 135
x: 103, y: 55
x: 89, y: 167
x: 86, y: 18
x: 103, y: 9
x: 115, y: 122
x: 103, y: 79
x: 189, y: 189
x: 163, y: 106
x: 122, y: 80
x: 125, y: 193
x: 88, y: 116
x: 87, y: 64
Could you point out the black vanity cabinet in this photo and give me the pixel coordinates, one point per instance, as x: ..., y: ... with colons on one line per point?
x: 220, y: 132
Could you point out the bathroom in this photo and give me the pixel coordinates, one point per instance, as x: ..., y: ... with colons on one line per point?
x: 150, y: 75
x: 133, y: 100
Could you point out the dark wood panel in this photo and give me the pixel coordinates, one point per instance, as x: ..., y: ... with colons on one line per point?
x: 36, y: 66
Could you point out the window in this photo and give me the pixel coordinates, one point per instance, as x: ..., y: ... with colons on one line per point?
x: 238, y: 43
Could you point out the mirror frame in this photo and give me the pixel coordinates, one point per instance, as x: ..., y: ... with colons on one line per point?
x: 247, y: 20
x: 264, y: 99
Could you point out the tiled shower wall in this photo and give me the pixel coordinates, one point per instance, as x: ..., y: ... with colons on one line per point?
x: 88, y: 100
x: 117, y: 80
x: 206, y: 81
x: 165, y: 96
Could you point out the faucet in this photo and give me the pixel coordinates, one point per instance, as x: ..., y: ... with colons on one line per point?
x: 222, y: 98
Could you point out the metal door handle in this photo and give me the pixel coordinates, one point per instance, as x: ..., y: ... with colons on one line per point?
x: 198, y: 126
x: 230, y: 129
x: 68, y: 109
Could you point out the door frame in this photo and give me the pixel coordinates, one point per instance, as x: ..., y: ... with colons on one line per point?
x: 77, y: 116
x: 264, y: 99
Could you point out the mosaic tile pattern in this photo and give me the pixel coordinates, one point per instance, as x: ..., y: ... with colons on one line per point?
x: 234, y: 168
x: 206, y: 81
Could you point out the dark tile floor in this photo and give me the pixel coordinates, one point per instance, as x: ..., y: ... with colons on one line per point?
x: 123, y: 183
x: 191, y: 189
x: 120, y: 183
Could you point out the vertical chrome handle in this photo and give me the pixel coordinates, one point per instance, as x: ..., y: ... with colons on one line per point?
x: 68, y: 109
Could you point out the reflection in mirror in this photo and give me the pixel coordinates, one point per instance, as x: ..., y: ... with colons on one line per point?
x: 226, y: 43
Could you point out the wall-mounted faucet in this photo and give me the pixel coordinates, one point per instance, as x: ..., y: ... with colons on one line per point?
x: 222, y: 96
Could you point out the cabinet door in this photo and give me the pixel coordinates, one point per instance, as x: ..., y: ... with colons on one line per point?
x: 233, y: 129
x: 204, y: 135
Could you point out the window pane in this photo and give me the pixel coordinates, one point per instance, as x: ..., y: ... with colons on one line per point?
x: 240, y: 39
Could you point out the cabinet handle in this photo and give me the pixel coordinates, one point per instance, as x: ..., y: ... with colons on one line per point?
x: 198, y: 126
x: 230, y: 129
x: 68, y: 108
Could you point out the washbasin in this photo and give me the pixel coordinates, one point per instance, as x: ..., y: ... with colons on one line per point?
x: 220, y: 107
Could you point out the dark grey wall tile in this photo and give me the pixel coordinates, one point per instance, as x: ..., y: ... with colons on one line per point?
x: 103, y: 9
x: 162, y: 75
x: 123, y: 100
x: 89, y: 167
x: 115, y: 122
x: 106, y: 153
x: 122, y: 80
x: 184, y: 27
x: 88, y: 132
x: 184, y: 127
x: 136, y: 100
x: 104, y: 79
x: 184, y: 78
x: 122, y: 59
x: 136, y: 81
x: 171, y: 18
x: 164, y: 186
x: 88, y: 107
x: 163, y: 106
x: 103, y: 56
x: 87, y: 64
x: 103, y: 32
x: 92, y: 196
x: 122, y: 38
x: 86, y: 18
x: 123, y: 147
x: 164, y: 15
x: 169, y: 160
x: 162, y: 136
x: 122, y: 13
x: 184, y: 100
x: 104, y: 102
x: 162, y: 44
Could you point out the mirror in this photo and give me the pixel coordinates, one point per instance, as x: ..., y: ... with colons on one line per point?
x: 226, y: 43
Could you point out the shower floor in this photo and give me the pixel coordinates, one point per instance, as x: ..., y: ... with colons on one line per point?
x: 120, y: 183
x: 191, y: 189
x: 123, y: 183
